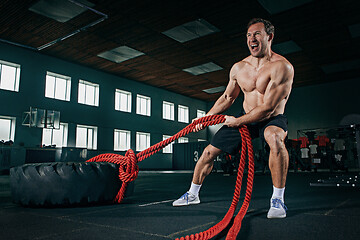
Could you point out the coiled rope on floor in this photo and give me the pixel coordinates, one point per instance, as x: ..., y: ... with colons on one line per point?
x: 128, y: 171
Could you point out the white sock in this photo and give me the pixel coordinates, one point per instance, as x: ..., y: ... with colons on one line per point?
x: 195, y: 189
x: 278, y: 193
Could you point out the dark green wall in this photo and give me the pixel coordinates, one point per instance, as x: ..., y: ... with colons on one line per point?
x: 34, y: 66
x: 323, y: 105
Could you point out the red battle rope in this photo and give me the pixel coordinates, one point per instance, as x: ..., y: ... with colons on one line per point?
x: 128, y: 171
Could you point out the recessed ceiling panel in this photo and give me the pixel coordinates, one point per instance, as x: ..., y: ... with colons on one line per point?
x: 120, y: 54
x: 215, y: 90
x: 286, y: 47
x: 191, y: 30
x: 204, y: 68
x: 59, y: 10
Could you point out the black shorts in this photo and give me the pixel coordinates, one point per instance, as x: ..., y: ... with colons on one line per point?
x: 228, y: 139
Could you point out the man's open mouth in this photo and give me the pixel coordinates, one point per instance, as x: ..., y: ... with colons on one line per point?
x: 254, y: 46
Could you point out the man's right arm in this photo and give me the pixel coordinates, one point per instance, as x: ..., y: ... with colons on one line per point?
x: 230, y: 94
x: 227, y: 98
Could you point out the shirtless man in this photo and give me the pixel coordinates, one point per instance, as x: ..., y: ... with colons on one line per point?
x: 265, y: 78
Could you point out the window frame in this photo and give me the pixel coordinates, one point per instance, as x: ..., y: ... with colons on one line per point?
x: 11, y: 134
x: 67, y: 88
x: 139, y: 110
x: 96, y: 93
x: 172, y: 110
x: 200, y: 113
x: 180, y: 115
x: 118, y: 104
x: 183, y: 140
x: 17, y: 75
x: 148, y: 141
x: 128, y: 140
x: 168, y: 148
x: 64, y: 135
x: 94, y: 137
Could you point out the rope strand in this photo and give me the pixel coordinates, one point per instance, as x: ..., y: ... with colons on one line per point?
x: 128, y: 171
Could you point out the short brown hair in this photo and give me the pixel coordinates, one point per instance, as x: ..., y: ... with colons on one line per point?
x: 269, y: 28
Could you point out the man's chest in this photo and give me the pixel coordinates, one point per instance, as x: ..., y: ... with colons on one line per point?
x: 251, y: 80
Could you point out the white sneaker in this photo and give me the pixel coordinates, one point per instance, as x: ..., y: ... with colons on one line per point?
x: 277, y: 209
x: 186, y: 199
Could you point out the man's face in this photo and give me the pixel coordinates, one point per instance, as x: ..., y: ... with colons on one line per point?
x: 257, y: 40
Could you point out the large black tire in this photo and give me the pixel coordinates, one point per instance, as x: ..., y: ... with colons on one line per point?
x: 64, y: 184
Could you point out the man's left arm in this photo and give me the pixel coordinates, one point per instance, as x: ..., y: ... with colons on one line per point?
x: 277, y: 90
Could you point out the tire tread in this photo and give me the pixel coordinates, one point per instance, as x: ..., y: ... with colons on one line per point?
x: 60, y: 183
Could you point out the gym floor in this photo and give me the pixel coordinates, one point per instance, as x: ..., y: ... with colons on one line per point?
x: 314, y: 212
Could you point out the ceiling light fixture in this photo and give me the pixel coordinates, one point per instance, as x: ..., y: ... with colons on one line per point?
x: 204, y: 68
x: 120, y: 54
x: 286, y: 47
x: 215, y: 90
x: 191, y: 30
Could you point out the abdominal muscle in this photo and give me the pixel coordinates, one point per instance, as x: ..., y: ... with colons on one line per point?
x: 254, y: 99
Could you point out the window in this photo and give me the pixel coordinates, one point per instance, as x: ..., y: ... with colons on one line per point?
x: 183, y: 140
x: 183, y: 114
x: 88, y: 93
x: 86, y: 137
x: 57, y: 86
x: 56, y: 137
x: 143, y: 105
x: 122, y: 100
x: 121, y: 140
x: 9, y: 76
x: 200, y: 113
x: 142, y: 141
x: 7, y: 128
x: 168, y: 148
x: 168, y: 110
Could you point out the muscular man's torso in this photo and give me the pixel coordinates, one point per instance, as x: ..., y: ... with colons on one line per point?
x: 255, y: 81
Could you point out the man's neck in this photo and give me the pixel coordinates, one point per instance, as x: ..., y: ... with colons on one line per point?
x: 258, y: 62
